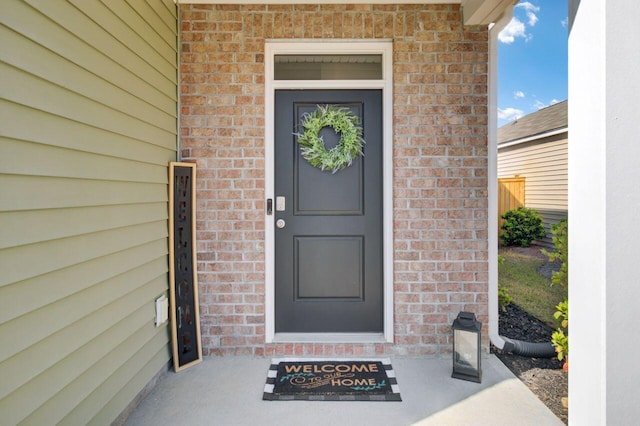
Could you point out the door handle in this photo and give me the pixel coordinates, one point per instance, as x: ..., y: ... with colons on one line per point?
x: 280, y: 223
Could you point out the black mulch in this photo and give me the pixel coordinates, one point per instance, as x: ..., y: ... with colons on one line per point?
x: 543, y: 376
x: 516, y: 323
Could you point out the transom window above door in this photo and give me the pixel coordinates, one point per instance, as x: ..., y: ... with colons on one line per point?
x: 328, y: 67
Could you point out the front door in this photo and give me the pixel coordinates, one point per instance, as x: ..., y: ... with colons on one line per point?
x: 329, y: 254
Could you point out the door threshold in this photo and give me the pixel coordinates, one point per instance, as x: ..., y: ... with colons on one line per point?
x: 329, y: 338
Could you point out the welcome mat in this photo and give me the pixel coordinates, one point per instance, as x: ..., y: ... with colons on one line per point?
x: 331, y: 380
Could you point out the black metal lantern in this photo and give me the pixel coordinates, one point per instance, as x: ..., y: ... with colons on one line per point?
x: 466, y: 347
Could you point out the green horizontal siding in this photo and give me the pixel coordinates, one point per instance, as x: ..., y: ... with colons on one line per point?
x: 38, y: 192
x: 68, y: 133
x: 37, y: 160
x: 39, y: 20
x: 75, y: 349
x: 139, y: 371
x: 116, y: 19
x: 88, y: 104
x: 33, y: 226
x: 34, y: 293
x: 30, y: 329
x: 70, y: 76
x: 59, y: 100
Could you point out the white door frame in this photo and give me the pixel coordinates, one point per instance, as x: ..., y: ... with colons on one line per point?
x: 318, y: 47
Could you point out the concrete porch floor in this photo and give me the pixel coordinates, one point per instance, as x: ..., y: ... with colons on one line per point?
x: 228, y: 391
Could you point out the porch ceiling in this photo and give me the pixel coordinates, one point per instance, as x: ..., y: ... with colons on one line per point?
x: 475, y: 12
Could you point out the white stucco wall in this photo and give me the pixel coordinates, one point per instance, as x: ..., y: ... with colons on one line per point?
x: 604, y: 199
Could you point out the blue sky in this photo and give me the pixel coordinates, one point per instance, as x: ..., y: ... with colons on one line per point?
x: 532, y: 59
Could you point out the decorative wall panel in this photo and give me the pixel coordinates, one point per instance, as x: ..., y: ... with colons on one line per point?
x: 185, y: 316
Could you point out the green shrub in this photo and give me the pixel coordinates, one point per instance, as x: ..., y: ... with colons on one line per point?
x: 560, y: 337
x: 504, y: 298
x: 562, y: 314
x: 561, y: 342
x: 560, y: 232
x: 521, y: 226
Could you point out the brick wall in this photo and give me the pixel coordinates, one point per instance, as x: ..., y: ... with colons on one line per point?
x: 440, y: 165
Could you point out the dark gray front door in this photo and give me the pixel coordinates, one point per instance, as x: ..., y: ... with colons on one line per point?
x: 329, y: 268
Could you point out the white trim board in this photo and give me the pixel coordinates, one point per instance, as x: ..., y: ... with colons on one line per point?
x: 533, y: 137
x: 492, y: 178
x: 385, y: 48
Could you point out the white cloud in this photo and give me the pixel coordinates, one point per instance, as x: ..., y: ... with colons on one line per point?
x: 530, y: 10
x: 514, y: 29
x: 518, y: 94
x: 564, y: 22
x: 509, y: 114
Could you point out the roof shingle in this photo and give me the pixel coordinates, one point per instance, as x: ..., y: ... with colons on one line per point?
x: 545, y: 120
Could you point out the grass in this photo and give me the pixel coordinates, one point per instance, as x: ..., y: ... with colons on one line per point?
x: 529, y: 290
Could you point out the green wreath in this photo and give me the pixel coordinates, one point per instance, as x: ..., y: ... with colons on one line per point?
x: 344, y: 122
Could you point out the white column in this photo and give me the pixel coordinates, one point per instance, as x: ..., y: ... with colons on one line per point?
x: 492, y: 175
x: 604, y: 200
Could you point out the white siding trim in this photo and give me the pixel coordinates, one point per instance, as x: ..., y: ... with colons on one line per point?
x: 534, y: 137
x: 492, y: 176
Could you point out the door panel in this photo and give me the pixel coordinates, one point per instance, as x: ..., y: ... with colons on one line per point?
x: 329, y: 253
x: 315, y: 190
x: 342, y: 280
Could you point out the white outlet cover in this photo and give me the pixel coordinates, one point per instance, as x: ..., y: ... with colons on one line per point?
x: 162, y: 310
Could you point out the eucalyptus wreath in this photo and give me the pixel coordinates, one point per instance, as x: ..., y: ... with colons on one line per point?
x: 345, y: 123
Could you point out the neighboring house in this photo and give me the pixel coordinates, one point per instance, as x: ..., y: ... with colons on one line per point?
x: 533, y: 154
x: 96, y: 98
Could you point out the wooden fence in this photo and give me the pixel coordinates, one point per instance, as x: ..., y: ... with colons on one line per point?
x: 510, y: 195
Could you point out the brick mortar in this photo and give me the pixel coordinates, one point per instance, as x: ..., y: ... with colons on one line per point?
x: 439, y: 156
